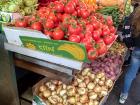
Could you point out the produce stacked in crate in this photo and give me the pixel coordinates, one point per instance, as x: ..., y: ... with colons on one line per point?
x: 111, y: 63
x: 87, y: 88
x: 73, y: 21
x: 90, y: 86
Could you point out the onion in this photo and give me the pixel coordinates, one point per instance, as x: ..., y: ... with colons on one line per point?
x: 47, y: 103
x: 60, y: 83
x: 101, y: 83
x: 82, y: 85
x: 51, y: 86
x: 46, y: 93
x: 95, y: 102
x: 54, y: 93
x: 78, y: 103
x: 64, y: 97
x: 77, y: 97
x: 100, y: 75
x: 82, y: 91
x: 58, y: 104
x: 70, y: 87
x: 42, y: 88
x: 53, y: 100
x: 91, y: 102
x: 91, y: 85
x: 97, y: 89
x: 71, y: 92
x: 93, y: 95
x: 92, y: 76
x: 113, y: 78
x: 84, y: 99
x: 75, y: 83
x: 55, y: 82
x: 62, y: 92
x: 58, y: 89
x: 85, y: 71
x: 103, y: 78
x: 104, y: 93
x: 96, y: 80
x: 109, y: 83
x: 86, y: 80
x: 71, y: 100
x: 64, y: 86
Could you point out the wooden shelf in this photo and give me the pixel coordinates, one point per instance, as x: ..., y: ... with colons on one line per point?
x: 52, y: 74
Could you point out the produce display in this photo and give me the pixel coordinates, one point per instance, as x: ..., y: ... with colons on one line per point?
x: 73, y: 21
x: 86, y: 89
x: 111, y: 63
x: 90, y: 86
x: 25, y: 7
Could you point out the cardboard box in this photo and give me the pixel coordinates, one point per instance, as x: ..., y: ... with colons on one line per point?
x: 36, y: 40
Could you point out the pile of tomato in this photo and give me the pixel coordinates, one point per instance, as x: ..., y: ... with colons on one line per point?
x: 74, y: 21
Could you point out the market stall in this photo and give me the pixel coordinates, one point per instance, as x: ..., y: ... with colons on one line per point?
x: 74, y: 43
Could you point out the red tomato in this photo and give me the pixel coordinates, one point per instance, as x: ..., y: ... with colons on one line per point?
x: 49, y: 24
x: 47, y: 12
x: 105, y: 32
x: 69, y: 9
x: 92, y: 54
x: 74, y: 13
x: 78, y: 11
x: 93, y: 18
x: 108, y: 40
x: 87, y: 43
x: 58, y: 34
x: 36, y: 26
x: 74, y: 38
x: 85, y: 14
x: 42, y: 9
x: 102, y: 48
x: 112, y: 29
x: 88, y: 34
x: 46, y: 32
x: 21, y: 23
x: 65, y: 17
x: 31, y: 19
x: 81, y: 36
x: 74, y: 29
x: 109, y: 21
x: 73, y: 21
x: 96, y: 35
x: 59, y: 16
x: 112, y: 36
x: 95, y: 25
x: 89, y: 28
x: 59, y: 7
x: 52, y: 17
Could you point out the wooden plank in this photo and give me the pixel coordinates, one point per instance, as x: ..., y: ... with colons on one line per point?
x: 52, y: 74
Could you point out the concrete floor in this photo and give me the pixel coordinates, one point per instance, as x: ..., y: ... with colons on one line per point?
x: 134, y: 95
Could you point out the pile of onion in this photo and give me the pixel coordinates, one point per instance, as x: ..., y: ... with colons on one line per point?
x: 87, y: 88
